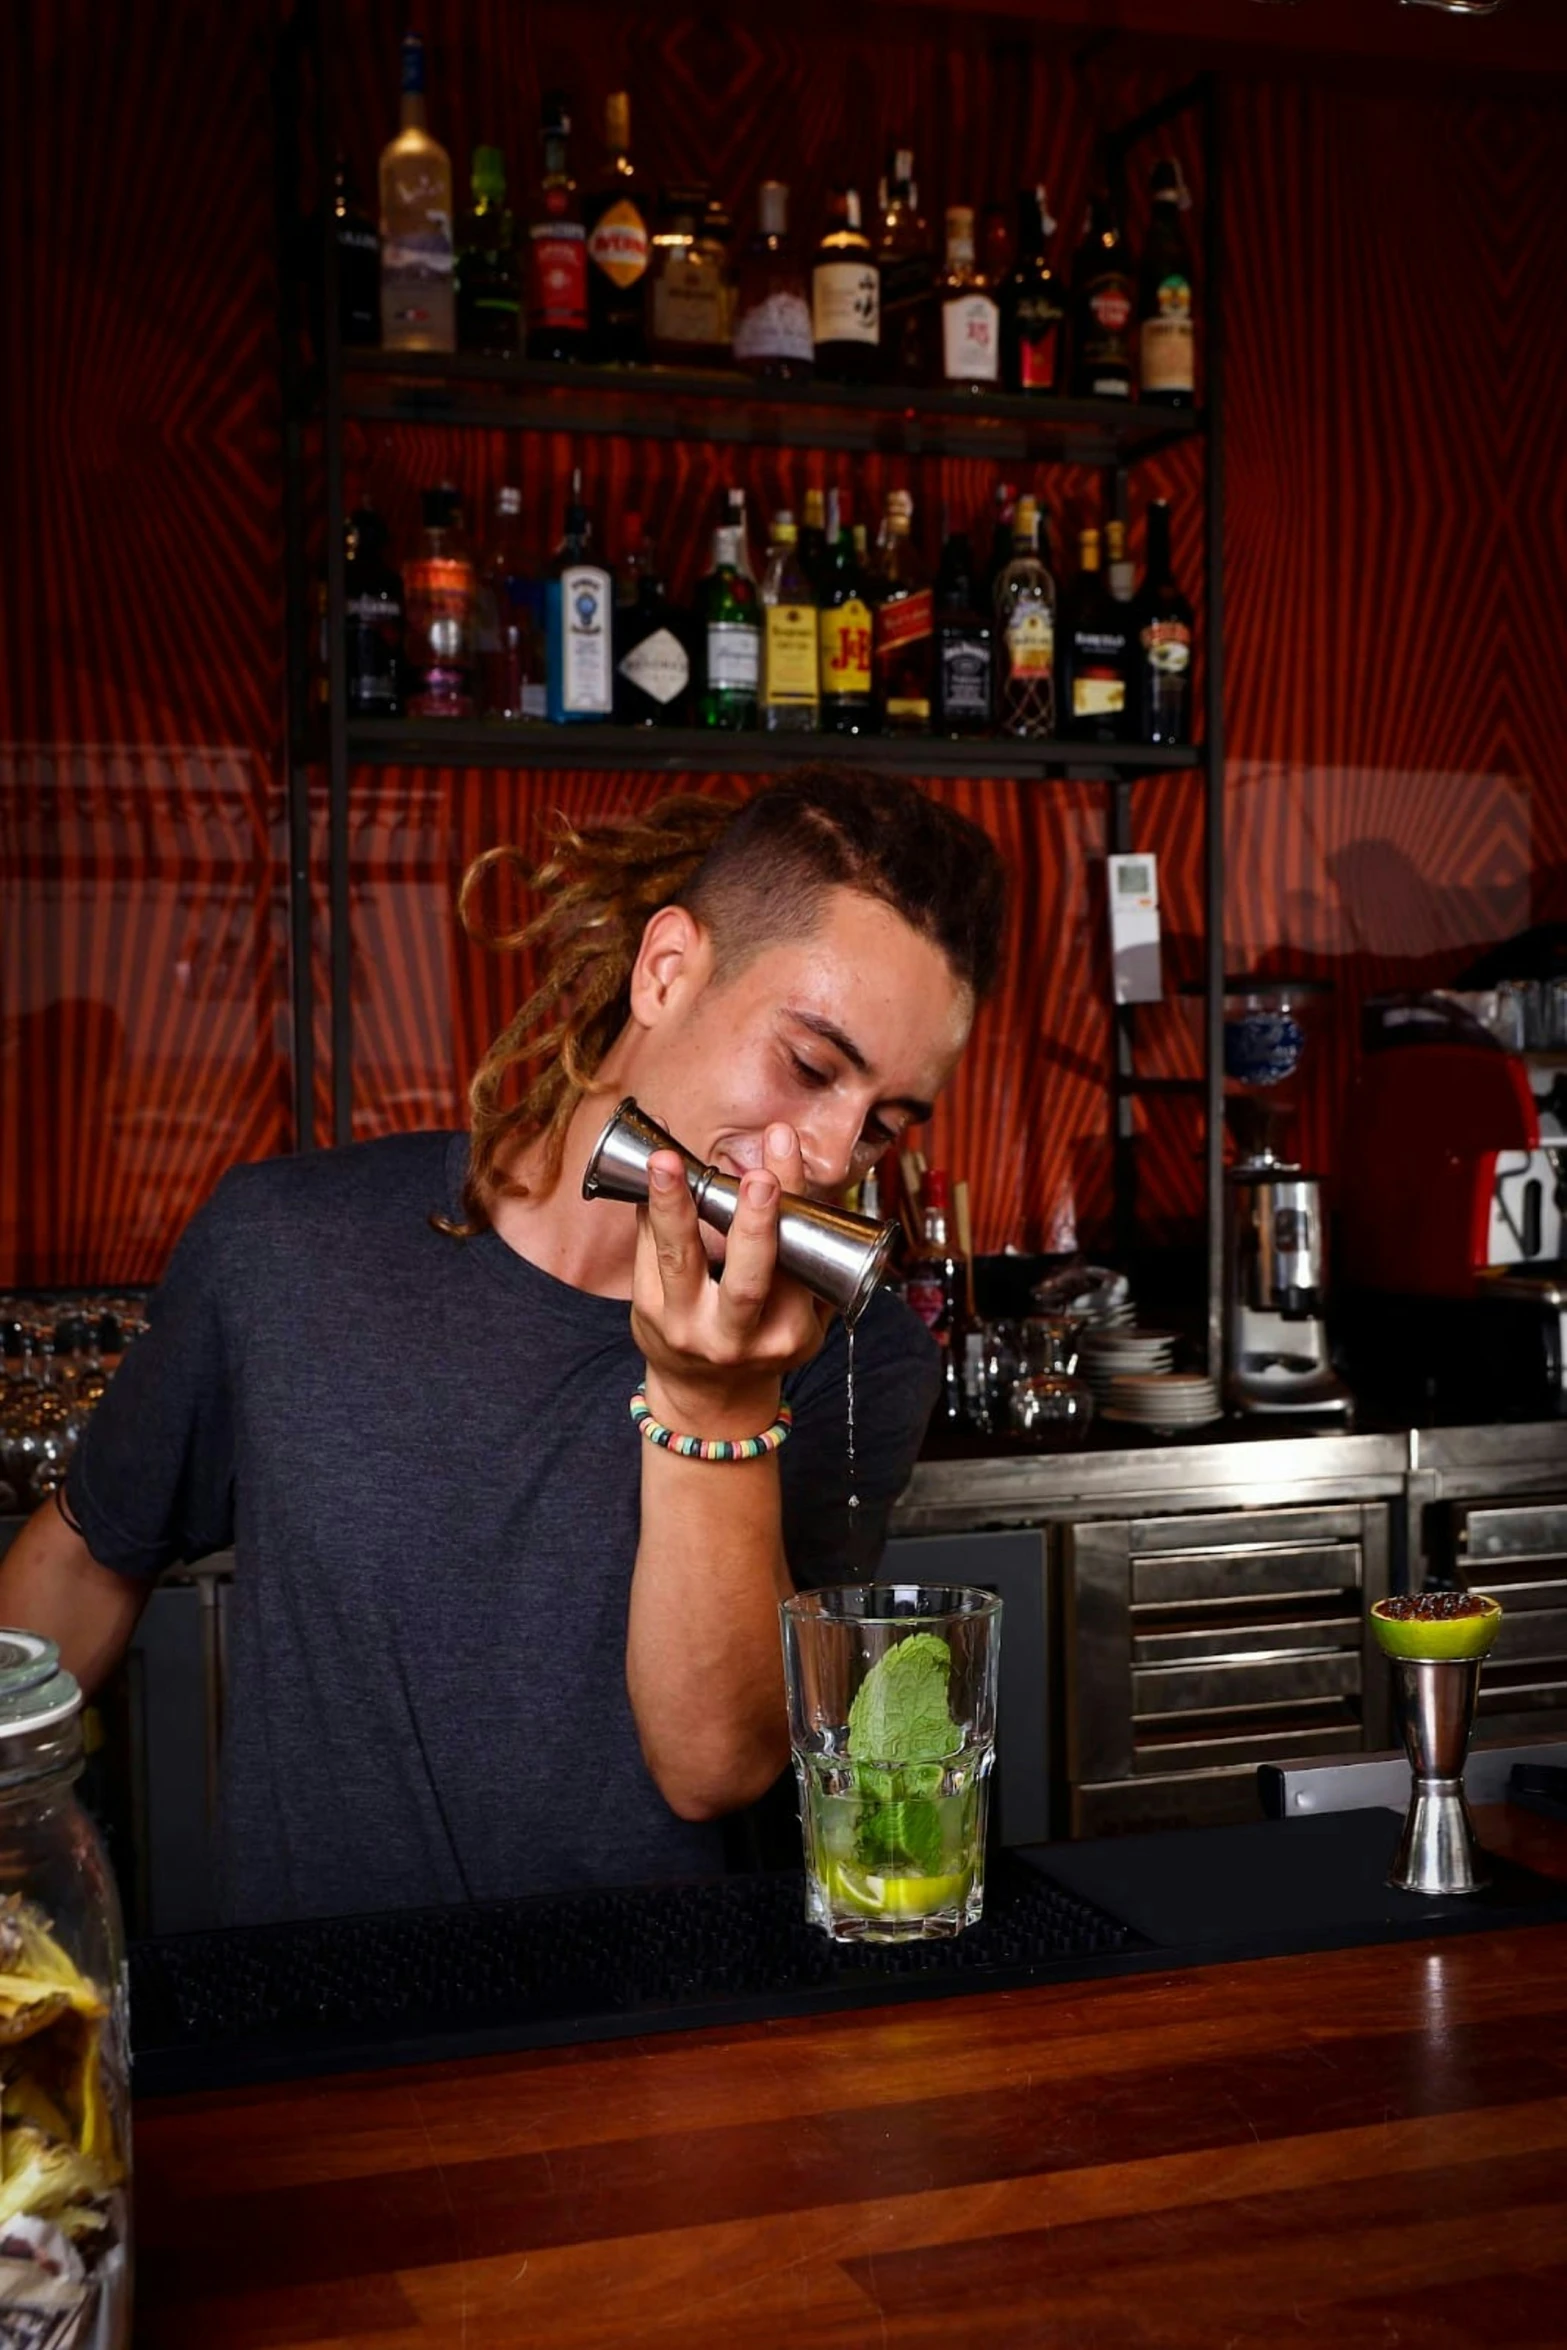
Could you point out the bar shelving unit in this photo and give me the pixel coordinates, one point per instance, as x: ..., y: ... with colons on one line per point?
x: 346, y: 386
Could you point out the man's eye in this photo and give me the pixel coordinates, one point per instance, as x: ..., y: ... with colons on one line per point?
x: 810, y: 1075
x: 877, y: 1137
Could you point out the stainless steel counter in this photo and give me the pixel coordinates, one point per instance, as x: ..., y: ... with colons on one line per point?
x: 1232, y: 1472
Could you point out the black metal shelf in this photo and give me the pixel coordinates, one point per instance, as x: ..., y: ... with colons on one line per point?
x: 678, y: 404
x: 411, y: 742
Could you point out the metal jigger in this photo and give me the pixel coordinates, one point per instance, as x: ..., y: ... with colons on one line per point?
x: 1437, y: 1852
x: 838, y: 1255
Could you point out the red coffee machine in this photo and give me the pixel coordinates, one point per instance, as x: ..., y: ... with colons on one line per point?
x: 1454, y: 1185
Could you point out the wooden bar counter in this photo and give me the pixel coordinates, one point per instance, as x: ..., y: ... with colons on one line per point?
x: 1363, y: 2147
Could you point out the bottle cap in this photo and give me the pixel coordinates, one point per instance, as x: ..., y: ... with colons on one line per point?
x: 815, y: 509
x: 900, y: 510
x: 726, y: 547
x: 1088, y: 548
x: 772, y: 208
x: 933, y: 1189
x: 35, y: 1688
x: 508, y: 499
x: 960, y: 220
x: 850, y: 198
x: 1115, y: 540
x: 413, y: 65
x: 617, y: 121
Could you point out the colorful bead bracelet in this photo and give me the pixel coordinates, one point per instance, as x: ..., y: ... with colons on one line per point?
x: 709, y: 1448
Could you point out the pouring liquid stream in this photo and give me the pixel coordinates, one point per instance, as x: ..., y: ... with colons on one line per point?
x: 854, y: 1499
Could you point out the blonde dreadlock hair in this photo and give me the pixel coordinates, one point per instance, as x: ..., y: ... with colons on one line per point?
x: 753, y: 872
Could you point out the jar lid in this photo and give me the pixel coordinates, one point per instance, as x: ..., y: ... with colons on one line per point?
x: 35, y: 1689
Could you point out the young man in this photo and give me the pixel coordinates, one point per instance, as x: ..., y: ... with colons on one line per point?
x: 483, y: 1638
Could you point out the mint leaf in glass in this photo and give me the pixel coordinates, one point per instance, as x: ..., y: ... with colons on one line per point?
x: 899, y: 1728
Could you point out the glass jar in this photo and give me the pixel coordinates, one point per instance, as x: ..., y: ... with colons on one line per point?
x: 65, y: 2246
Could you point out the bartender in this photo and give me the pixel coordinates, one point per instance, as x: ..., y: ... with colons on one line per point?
x: 490, y: 1633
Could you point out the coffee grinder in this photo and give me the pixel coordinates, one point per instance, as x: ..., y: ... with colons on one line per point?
x: 1275, y: 1275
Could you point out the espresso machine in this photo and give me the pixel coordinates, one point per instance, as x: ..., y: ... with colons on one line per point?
x: 1276, y: 1357
x: 1455, y: 1204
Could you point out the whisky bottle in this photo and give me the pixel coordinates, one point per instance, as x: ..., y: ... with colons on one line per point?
x: 440, y: 588
x: 358, y: 263
x: 489, y: 291
x: 1166, y: 328
x: 578, y: 618
x: 965, y: 645
x: 618, y: 247
x: 373, y: 616
x: 846, y: 637
x: 903, y: 644
x: 1163, y: 621
x: 1096, y: 654
x: 773, y: 319
x: 1032, y: 310
x: 731, y: 638
x: 791, y: 653
x: 688, y: 293
x: 418, y: 312
x: 970, y: 317
x: 557, y: 250
x: 1102, y: 305
x: 652, y: 664
x: 906, y: 265
x: 1026, y: 633
x: 845, y: 296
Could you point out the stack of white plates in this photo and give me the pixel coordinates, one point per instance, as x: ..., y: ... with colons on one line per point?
x: 1163, y: 1399
x: 1109, y: 1354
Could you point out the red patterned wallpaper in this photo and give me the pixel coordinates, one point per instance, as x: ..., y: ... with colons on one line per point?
x: 1396, y: 577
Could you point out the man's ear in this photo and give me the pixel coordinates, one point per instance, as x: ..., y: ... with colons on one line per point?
x: 673, y: 965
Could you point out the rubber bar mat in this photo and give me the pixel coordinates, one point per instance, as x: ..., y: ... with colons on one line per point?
x: 253, y: 2003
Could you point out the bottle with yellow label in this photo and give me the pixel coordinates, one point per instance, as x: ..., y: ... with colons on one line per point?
x: 846, y: 627
x: 1026, y: 633
x: 619, y: 247
x: 791, y: 682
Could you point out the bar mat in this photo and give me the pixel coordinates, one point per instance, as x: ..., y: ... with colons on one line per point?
x: 1314, y: 1883
x: 251, y: 2003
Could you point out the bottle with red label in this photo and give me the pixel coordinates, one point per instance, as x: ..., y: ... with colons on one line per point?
x: 1033, y: 313
x: 936, y: 1287
x: 557, y: 250
x: 903, y: 652
x: 619, y: 247
x: 440, y: 590
x: 1103, y: 307
x: 970, y: 315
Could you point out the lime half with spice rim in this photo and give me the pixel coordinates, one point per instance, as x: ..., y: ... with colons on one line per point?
x: 1463, y: 1630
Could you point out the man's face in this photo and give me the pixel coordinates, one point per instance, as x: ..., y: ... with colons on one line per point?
x: 847, y: 1036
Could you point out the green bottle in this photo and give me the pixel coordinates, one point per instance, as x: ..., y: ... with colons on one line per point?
x: 844, y: 618
x: 731, y: 638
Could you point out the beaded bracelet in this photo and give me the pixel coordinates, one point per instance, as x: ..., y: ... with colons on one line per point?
x: 709, y: 1448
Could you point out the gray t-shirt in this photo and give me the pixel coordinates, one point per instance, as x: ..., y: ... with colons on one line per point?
x: 421, y: 1453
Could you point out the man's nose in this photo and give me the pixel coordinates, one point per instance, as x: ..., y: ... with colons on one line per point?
x: 828, y: 1143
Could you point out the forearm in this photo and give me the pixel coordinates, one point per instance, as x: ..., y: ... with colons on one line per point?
x: 703, y: 1655
x: 50, y: 1583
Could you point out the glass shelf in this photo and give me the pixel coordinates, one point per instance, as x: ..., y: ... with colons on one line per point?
x: 662, y: 403
x: 410, y: 742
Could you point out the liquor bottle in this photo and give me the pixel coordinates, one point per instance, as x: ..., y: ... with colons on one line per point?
x: 618, y: 247
x: 417, y: 308
x: 1098, y: 660
x: 936, y: 1288
x: 652, y: 663
x: 511, y: 663
x: 791, y: 654
x: 489, y: 280
x: 906, y: 264
x: 845, y: 296
x: 373, y: 612
x: 735, y: 520
x: 688, y: 291
x: 1166, y: 327
x: 441, y: 593
x: 813, y: 538
x: 773, y: 315
x: 1032, y: 309
x: 970, y: 317
x: 1103, y: 299
x: 1004, y: 521
x: 965, y: 645
x: 846, y: 638
x: 1163, y: 621
x: 731, y: 638
x: 578, y: 619
x: 1120, y: 571
x: 1026, y: 633
x: 903, y: 647
x: 557, y: 250
x: 358, y: 263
